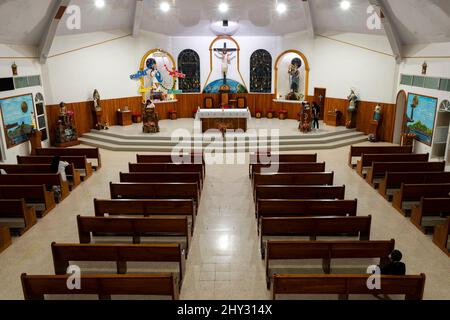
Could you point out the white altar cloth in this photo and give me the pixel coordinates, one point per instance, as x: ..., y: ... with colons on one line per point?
x: 223, y: 113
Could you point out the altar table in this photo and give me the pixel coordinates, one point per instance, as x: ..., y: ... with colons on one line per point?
x: 228, y: 118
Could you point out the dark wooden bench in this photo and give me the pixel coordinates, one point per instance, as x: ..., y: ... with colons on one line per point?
x: 415, y: 192
x: 80, y: 163
x: 344, y: 285
x: 357, y: 151
x: 172, y: 190
x: 196, y: 158
x: 435, y: 210
x: 281, y: 167
x: 166, y: 167
x: 16, y: 215
x: 5, y: 238
x: 134, y: 227
x: 261, y: 158
x: 73, y: 176
x: 89, y: 153
x: 146, y: 208
x: 34, y: 195
x: 440, y: 236
x: 121, y: 254
x: 367, y: 159
x: 299, y: 192
x: 186, y: 177
x: 394, y: 180
x: 314, y: 227
x: 326, y: 251
x: 379, y: 169
x: 49, y: 179
x: 104, y: 286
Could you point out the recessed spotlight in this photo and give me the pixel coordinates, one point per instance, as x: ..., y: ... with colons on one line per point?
x: 345, y: 5
x: 281, y: 8
x: 223, y: 7
x: 99, y: 3
x: 164, y: 6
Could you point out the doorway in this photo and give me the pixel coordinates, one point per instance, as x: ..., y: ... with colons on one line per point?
x: 320, y: 95
x: 400, y: 111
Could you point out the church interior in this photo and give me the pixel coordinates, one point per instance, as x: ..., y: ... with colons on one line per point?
x: 225, y: 150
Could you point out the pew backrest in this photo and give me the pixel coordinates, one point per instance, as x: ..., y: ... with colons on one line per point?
x: 367, y: 159
x: 14, y: 209
x: 440, y: 236
x: 79, y: 162
x: 429, y: 207
x: 186, y: 177
x: 357, y: 151
x: 394, y: 180
x: 166, y: 167
x: 33, y: 194
x: 302, y: 178
x: 279, y: 167
x: 299, y: 192
x: 89, y: 153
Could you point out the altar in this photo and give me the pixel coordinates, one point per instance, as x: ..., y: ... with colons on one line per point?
x: 223, y: 119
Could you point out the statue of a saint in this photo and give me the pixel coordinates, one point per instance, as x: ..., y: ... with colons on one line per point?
x: 150, y: 118
x: 294, y: 79
x: 352, y: 109
x: 98, y: 111
x: 353, y: 99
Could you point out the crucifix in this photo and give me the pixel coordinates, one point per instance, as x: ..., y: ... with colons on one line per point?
x: 226, y: 56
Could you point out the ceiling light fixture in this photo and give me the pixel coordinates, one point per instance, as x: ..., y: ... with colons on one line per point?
x: 281, y: 8
x: 99, y: 3
x: 345, y: 5
x: 164, y: 6
x: 223, y: 7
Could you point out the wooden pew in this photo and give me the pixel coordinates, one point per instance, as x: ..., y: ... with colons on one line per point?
x: 440, y: 236
x: 134, y: 228
x: 89, y: 153
x: 414, y: 192
x: 104, y: 286
x: 259, y: 158
x: 314, y: 227
x: 299, y: 192
x: 73, y: 176
x: 344, y: 285
x: 49, y: 179
x: 357, y: 151
x: 80, y: 163
x: 172, y: 190
x: 146, y: 208
x: 435, y: 209
x: 17, y: 215
x: 186, y: 177
x: 5, y: 238
x: 121, y: 254
x: 326, y: 251
x: 379, y: 169
x: 394, y: 180
x: 367, y: 159
x: 196, y: 158
x: 166, y: 167
x: 34, y: 195
x: 298, y: 207
x: 291, y: 167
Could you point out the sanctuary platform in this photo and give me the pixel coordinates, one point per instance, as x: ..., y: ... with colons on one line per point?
x: 260, y: 132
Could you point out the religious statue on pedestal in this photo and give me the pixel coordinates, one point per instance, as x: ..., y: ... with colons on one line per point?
x: 375, y: 124
x: 150, y: 118
x: 352, y: 109
x: 294, y: 80
x: 66, y: 133
x: 98, y: 112
x: 305, y: 118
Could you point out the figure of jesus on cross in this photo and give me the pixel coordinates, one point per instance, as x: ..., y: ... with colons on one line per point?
x: 226, y: 56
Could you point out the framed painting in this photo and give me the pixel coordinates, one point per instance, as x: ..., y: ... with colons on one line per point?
x: 16, y: 114
x: 420, y: 116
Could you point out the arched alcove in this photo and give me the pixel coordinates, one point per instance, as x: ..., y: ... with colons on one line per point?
x: 281, y: 67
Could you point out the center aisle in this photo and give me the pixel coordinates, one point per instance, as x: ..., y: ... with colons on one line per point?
x: 224, y: 261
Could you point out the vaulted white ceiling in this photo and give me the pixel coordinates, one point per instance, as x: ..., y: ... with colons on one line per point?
x: 417, y: 21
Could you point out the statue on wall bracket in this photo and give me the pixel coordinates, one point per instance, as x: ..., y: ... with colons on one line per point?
x: 352, y: 109
x: 98, y: 112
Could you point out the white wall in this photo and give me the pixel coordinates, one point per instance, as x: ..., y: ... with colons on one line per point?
x: 26, y: 67
x: 73, y: 76
x: 338, y: 66
x: 436, y: 68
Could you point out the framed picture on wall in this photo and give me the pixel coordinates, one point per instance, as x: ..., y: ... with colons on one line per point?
x: 16, y: 115
x: 420, y: 116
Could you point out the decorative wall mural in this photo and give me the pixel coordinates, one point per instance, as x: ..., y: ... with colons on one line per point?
x: 17, y: 112
x: 261, y: 72
x: 189, y: 64
x: 235, y: 87
x: 420, y: 117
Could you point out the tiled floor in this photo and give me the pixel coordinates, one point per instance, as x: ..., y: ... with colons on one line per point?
x: 224, y: 261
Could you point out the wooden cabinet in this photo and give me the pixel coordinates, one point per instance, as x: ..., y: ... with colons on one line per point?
x: 124, y: 118
x: 334, y: 118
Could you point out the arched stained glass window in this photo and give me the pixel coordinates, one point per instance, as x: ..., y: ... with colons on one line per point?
x: 261, y: 71
x: 189, y: 64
